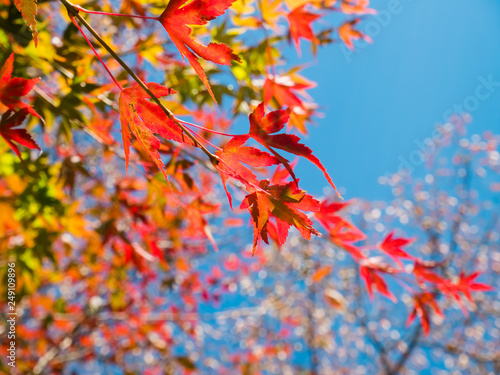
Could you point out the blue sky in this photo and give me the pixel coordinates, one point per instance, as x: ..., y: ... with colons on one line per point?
x: 427, y: 56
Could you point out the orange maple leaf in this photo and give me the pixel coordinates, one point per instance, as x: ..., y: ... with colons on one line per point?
x: 321, y: 273
x: 348, y: 33
x: 300, y: 25
x: 28, y: 10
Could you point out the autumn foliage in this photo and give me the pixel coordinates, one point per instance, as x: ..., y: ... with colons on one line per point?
x: 137, y: 142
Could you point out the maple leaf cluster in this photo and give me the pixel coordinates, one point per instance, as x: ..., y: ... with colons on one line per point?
x: 112, y: 224
x: 144, y: 117
x: 372, y: 269
x: 147, y: 119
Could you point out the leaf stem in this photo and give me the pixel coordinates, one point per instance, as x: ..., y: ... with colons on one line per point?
x: 73, y: 11
x: 206, y: 141
x: 208, y: 130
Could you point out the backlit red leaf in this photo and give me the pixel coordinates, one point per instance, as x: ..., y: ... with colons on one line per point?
x: 261, y: 128
x: 285, y: 204
x: 465, y: 285
x: 393, y: 246
x: 145, y: 120
x: 8, y: 122
x: 423, y: 303
x: 175, y: 19
x: 12, y: 89
x: 300, y: 25
x: 234, y: 154
x: 373, y: 280
x: 327, y: 214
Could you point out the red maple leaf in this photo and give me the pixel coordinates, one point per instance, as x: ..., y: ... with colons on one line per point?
x: 373, y: 280
x: 234, y: 154
x: 300, y: 25
x: 263, y: 126
x: 465, y: 285
x: 285, y: 90
x: 280, y: 174
x: 102, y: 127
x: 423, y: 272
x: 327, y: 214
x: 345, y: 234
x: 348, y: 33
x: 145, y: 119
x: 8, y: 122
x: 393, y: 246
x: 423, y: 302
x: 284, y: 203
x: 288, y: 91
x: 198, y: 12
x: 198, y: 225
x: 12, y: 89
x: 342, y: 233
